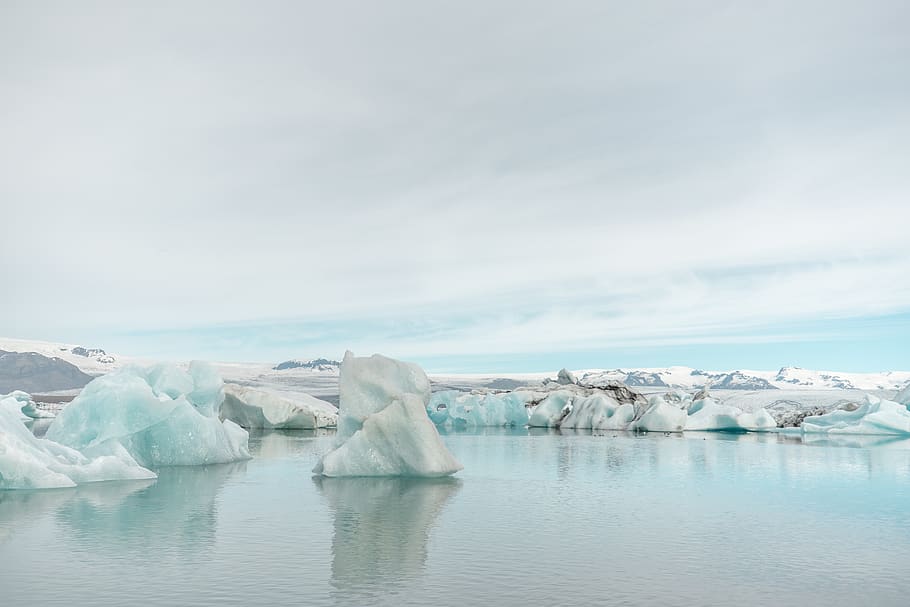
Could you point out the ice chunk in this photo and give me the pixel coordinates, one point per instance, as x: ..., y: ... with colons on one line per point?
x: 566, y: 377
x: 598, y: 412
x: 661, y: 416
x: 383, y: 427
x: 162, y: 416
x: 873, y: 416
x: 27, y: 462
x: 465, y: 409
x: 22, y: 405
x: 257, y: 408
x: 552, y: 409
x: 903, y: 397
x: 708, y: 414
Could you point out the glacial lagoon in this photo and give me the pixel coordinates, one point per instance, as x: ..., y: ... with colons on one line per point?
x: 535, y: 518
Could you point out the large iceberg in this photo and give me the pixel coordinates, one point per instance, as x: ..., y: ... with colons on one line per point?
x: 453, y: 408
x: 873, y: 416
x: 383, y: 427
x: 27, y: 462
x: 161, y: 415
x: 258, y: 408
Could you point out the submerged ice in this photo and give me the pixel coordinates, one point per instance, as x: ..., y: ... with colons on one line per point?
x: 161, y: 416
x: 383, y: 426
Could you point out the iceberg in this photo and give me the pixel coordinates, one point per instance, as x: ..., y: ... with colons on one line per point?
x: 22, y: 405
x: 708, y: 414
x: 161, y: 416
x: 903, y: 397
x: 873, y: 416
x: 257, y: 408
x: 552, y: 409
x: 660, y: 416
x: 27, y: 462
x: 468, y: 409
x: 383, y: 426
x: 599, y: 412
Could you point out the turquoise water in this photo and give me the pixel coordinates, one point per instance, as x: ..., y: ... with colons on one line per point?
x: 536, y: 518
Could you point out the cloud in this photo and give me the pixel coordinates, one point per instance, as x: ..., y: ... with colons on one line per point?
x: 509, y: 177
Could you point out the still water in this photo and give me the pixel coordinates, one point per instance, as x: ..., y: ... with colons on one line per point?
x: 534, y: 519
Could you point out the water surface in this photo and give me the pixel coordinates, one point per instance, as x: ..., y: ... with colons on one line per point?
x: 536, y: 518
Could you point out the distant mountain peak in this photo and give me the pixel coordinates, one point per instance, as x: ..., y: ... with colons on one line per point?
x: 315, y: 364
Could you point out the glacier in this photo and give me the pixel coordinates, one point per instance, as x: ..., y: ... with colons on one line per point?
x: 27, y: 462
x: 383, y: 426
x: 161, y: 415
x: 259, y: 408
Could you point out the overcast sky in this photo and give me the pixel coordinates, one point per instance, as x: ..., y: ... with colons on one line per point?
x: 497, y: 185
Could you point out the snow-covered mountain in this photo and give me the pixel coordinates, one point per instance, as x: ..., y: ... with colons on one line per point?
x: 789, y: 378
x: 320, y: 375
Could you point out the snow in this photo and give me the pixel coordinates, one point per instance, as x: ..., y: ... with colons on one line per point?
x: 456, y: 409
x: 161, y: 415
x: 873, y: 416
x: 27, y: 462
x: 383, y: 426
x: 260, y: 408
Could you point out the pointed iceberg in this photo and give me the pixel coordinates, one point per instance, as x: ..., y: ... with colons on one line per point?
x: 383, y: 427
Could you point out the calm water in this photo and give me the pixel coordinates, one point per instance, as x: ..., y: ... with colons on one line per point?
x: 534, y: 519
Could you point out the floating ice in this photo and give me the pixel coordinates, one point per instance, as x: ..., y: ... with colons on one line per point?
x: 466, y: 409
x: 257, y: 408
x: 660, y: 416
x: 708, y: 414
x: 27, y: 462
x: 383, y: 427
x: 873, y: 416
x: 903, y: 397
x: 162, y: 416
x: 599, y: 412
x: 23, y: 406
x: 552, y: 409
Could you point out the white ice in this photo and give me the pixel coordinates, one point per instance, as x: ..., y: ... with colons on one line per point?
x: 598, y: 412
x: 552, y: 409
x: 161, y: 415
x: 903, y: 397
x: 23, y: 406
x: 383, y: 427
x: 708, y: 414
x: 661, y: 416
x: 259, y: 408
x: 873, y: 416
x: 453, y: 408
x: 27, y: 462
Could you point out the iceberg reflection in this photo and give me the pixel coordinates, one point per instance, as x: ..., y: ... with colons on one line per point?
x: 381, y: 528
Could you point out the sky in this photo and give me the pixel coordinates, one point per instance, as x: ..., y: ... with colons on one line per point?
x: 487, y: 186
